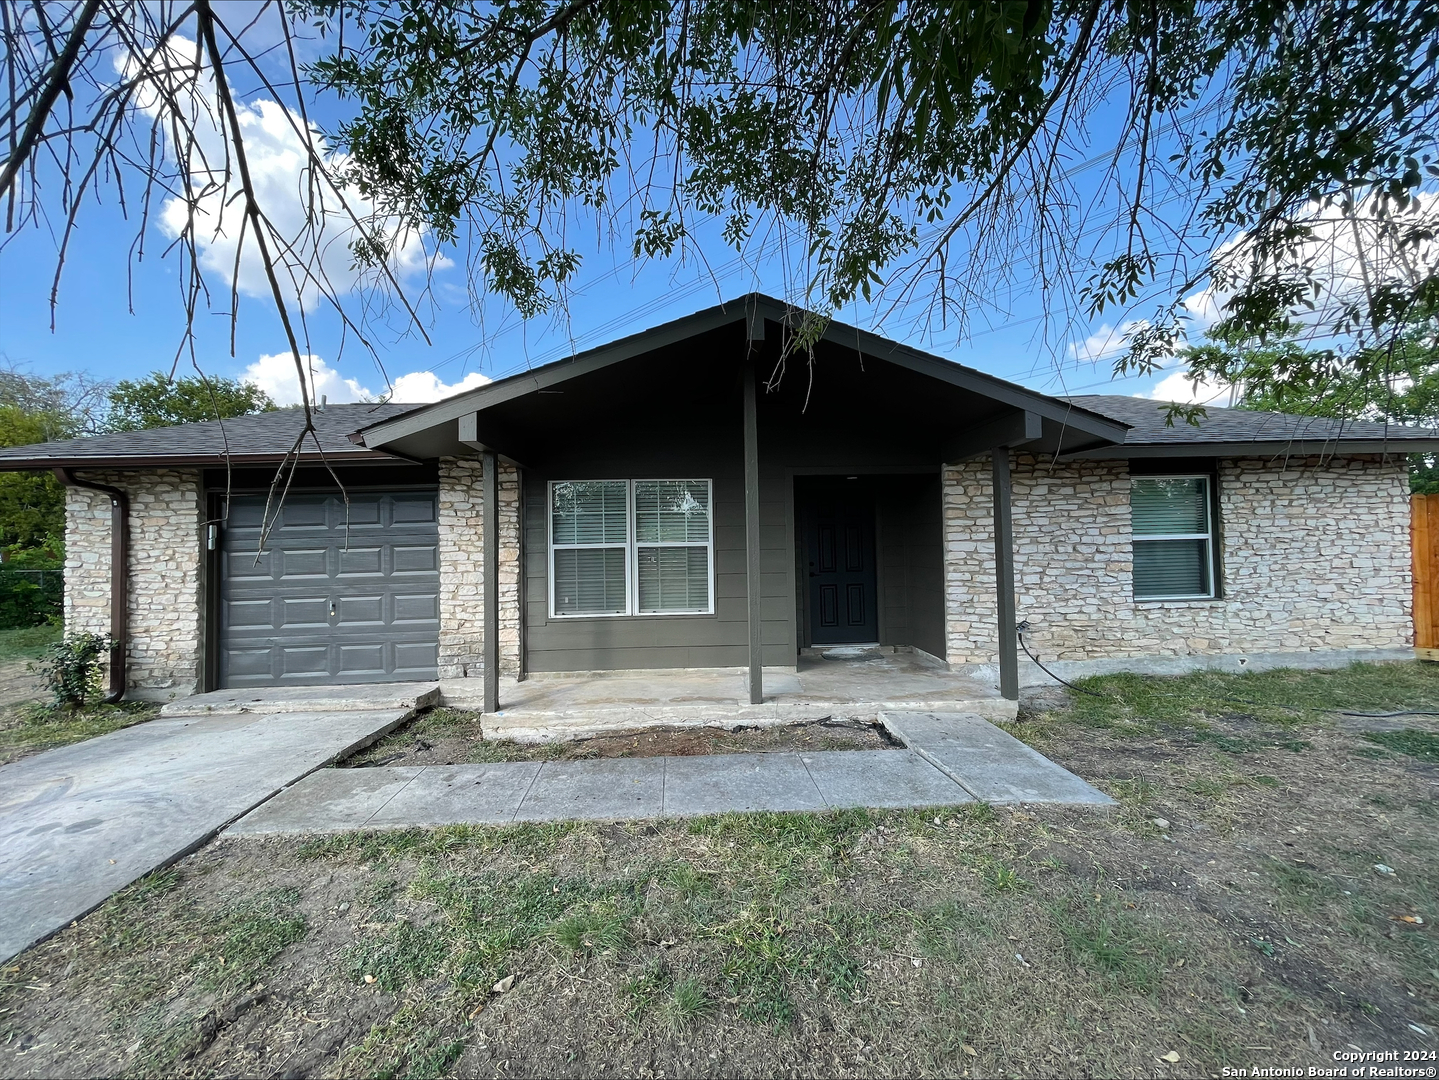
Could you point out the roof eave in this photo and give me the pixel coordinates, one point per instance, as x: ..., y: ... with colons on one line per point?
x: 153, y: 461
x: 1262, y: 448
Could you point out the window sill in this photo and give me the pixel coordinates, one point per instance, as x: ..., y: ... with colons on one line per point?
x: 646, y: 615
x: 1178, y: 601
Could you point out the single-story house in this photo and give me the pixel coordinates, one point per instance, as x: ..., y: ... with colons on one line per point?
x: 684, y: 498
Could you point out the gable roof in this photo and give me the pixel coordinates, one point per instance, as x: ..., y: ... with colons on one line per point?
x: 752, y: 309
x: 1227, y: 432
x: 258, y: 438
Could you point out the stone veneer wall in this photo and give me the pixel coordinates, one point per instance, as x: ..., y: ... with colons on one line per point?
x: 1315, y: 556
x: 164, y: 658
x: 462, y: 569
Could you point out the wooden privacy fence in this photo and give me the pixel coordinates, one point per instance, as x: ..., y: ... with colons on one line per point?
x: 1424, y: 545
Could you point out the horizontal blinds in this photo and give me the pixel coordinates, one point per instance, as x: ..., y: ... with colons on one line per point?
x: 672, y: 511
x: 591, y: 512
x: 1171, y: 568
x: 1170, y: 506
x: 674, y: 579
x: 590, y: 581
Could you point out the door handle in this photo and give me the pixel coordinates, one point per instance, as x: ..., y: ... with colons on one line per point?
x: 332, y: 609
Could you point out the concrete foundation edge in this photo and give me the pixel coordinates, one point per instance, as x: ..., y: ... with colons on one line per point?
x: 1030, y: 674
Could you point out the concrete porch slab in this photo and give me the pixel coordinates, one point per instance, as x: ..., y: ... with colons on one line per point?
x: 884, y: 779
x: 571, y: 705
x: 294, y: 699
x: 990, y: 764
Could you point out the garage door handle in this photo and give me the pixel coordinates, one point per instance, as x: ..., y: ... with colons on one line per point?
x: 332, y: 609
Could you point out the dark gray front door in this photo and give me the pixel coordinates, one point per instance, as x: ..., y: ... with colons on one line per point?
x: 337, y: 595
x: 842, y: 578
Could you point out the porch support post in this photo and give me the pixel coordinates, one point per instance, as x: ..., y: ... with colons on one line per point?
x: 751, y: 534
x: 1004, y: 574
x: 490, y: 484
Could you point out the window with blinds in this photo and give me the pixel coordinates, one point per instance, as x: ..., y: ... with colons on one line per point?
x: 631, y: 547
x: 1173, y: 537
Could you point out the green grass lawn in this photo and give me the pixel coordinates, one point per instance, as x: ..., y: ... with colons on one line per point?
x: 27, y: 642
x: 1264, y: 893
x: 33, y: 726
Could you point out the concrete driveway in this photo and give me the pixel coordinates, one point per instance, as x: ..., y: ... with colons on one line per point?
x: 79, y: 822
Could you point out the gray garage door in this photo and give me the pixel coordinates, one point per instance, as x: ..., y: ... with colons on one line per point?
x: 336, y: 596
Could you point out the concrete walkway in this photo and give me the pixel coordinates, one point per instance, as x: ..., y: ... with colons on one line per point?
x: 79, y: 822
x: 949, y: 759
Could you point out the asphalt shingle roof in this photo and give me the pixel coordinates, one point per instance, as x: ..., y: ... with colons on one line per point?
x: 1145, y: 418
x: 258, y: 437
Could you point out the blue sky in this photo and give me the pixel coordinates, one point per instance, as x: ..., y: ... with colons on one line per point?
x: 96, y: 331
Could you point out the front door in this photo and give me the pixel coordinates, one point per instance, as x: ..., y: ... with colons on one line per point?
x: 840, y: 552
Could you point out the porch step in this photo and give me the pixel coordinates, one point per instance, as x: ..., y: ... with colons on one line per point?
x: 308, y: 699
x: 990, y: 764
x: 533, y: 725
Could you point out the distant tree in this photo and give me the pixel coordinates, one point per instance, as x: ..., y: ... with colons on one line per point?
x: 32, y: 504
x: 69, y: 404
x: 1397, y: 383
x: 159, y: 401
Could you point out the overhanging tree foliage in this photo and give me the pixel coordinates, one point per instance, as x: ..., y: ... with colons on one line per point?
x: 907, y: 152
x: 1395, y: 383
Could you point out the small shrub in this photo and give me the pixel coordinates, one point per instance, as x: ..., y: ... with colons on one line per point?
x: 73, y: 668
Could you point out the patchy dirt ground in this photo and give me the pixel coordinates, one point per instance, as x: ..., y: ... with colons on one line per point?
x: 455, y: 737
x: 1264, y: 895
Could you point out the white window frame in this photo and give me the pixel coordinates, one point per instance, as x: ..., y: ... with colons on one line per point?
x: 632, y: 545
x: 1207, y: 536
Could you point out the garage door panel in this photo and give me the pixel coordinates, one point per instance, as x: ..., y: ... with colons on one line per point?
x: 251, y: 663
x: 304, y: 660
x: 304, y: 562
x: 241, y: 565
x: 304, y: 512
x: 416, y: 559
x: 304, y: 612
x: 408, y: 509
x: 368, y: 611
x: 413, y: 659
x: 362, y: 562
x: 364, y: 512
x: 337, y: 596
x: 362, y: 659
x: 251, y: 613
x: 422, y: 608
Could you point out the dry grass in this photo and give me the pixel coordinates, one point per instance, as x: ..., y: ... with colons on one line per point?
x: 1229, y: 912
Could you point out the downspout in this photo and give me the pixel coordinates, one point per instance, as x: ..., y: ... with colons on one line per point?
x: 119, y: 576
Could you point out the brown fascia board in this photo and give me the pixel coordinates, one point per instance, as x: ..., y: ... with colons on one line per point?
x: 1271, y: 448
x: 747, y: 308
x: 160, y: 461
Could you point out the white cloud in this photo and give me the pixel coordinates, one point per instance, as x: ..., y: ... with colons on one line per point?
x: 318, y: 258
x: 425, y: 386
x: 1104, y: 344
x: 276, y: 376
x: 1178, y: 387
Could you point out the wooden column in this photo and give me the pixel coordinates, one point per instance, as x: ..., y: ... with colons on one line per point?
x: 490, y: 485
x: 1004, y: 574
x: 751, y: 535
